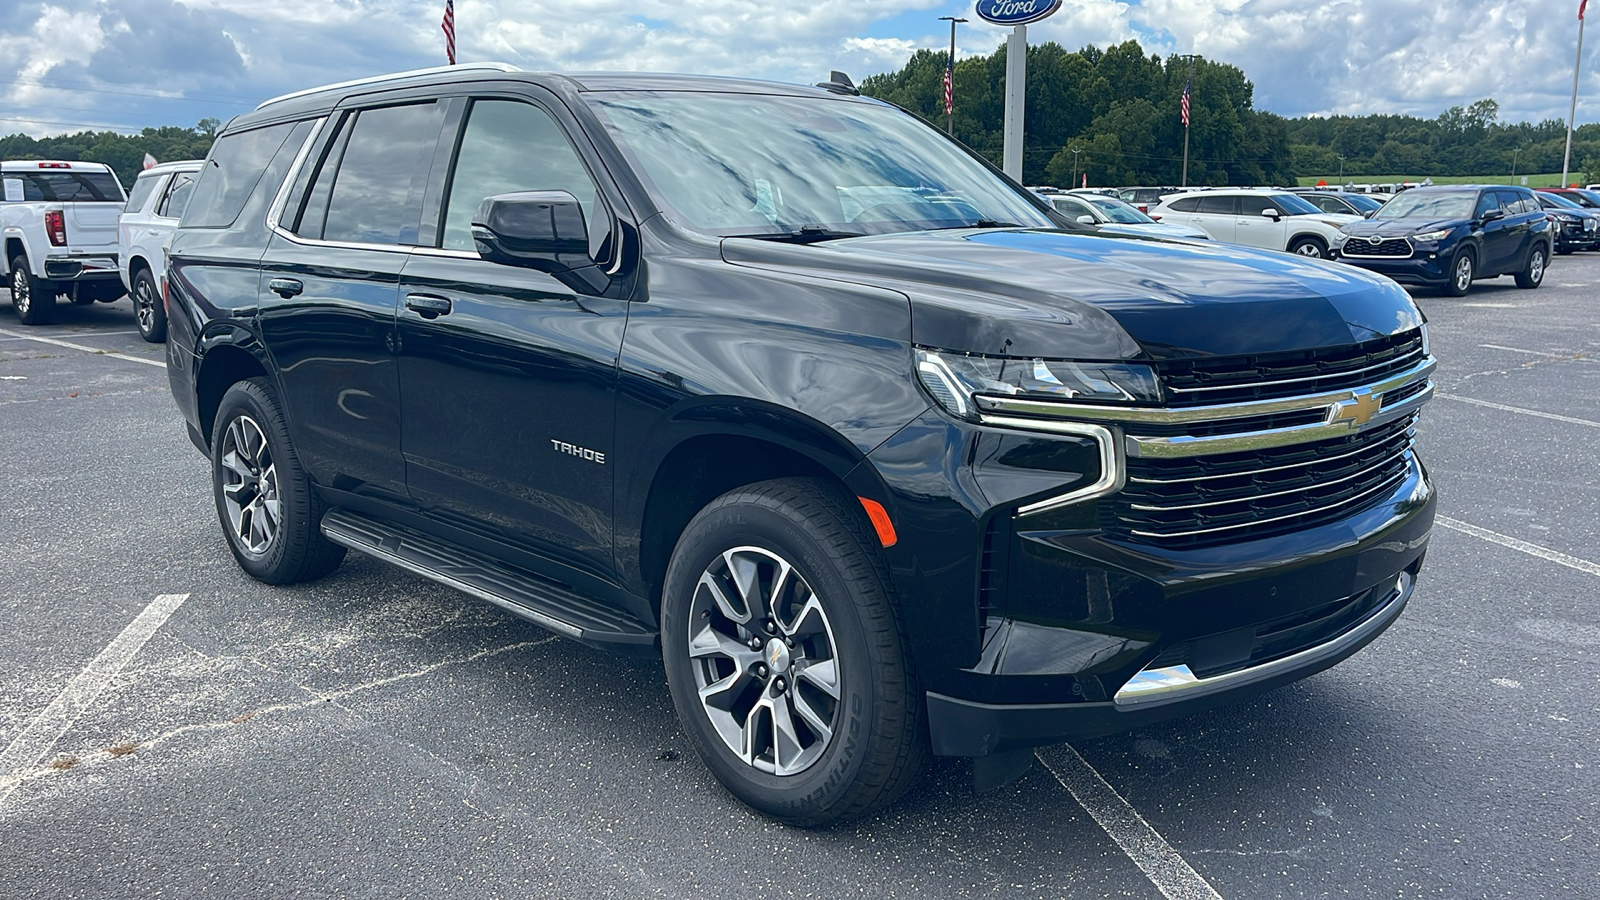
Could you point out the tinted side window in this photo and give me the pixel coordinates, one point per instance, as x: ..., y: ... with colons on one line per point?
x: 377, y: 190
x: 1187, y: 204
x: 142, y: 189
x: 511, y: 146
x: 1253, y: 206
x: 1072, y: 207
x: 236, y: 163
x: 1220, y: 206
x: 1487, y: 202
x: 177, y: 196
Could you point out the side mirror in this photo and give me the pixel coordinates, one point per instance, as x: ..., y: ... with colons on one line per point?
x: 1086, y: 220
x: 1271, y: 213
x: 1493, y: 215
x: 542, y: 230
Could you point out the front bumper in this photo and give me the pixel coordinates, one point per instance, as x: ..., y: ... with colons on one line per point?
x: 1425, y: 267
x: 84, y: 267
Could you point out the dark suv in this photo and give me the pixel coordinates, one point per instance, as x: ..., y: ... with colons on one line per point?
x: 882, y: 455
x: 1447, y: 236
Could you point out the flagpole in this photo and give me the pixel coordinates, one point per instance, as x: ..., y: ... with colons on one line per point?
x: 1577, y: 69
x: 1188, y: 80
x: 950, y: 76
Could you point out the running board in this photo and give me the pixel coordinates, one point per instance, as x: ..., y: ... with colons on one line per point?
x: 544, y: 603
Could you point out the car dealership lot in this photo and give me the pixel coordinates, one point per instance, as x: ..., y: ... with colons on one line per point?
x: 373, y: 734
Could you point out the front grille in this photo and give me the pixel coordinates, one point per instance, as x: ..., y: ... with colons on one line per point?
x: 1221, y: 498
x: 1267, y: 376
x: 1394, y: 247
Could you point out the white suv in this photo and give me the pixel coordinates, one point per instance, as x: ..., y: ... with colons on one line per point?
x: 1270, y: 219
x: 143, y: 231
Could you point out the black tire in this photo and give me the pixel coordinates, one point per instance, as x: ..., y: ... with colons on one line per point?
x: 149, y: 311
x: 1532, y: 274
x: 1312, y: 247
x: 819, y: 530
x: 34, y: 299
x: 1463, y: 268
x: 296, y: 550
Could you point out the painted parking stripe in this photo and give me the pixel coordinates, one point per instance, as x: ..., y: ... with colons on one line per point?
x: 71, y: 346
x: 30, y: 748
x: 1517, y: 409
x: 1169, y: 872
x: 1576, y: 356
x: 1555, y: 556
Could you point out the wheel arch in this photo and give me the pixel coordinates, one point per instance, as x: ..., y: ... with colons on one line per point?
x: 1308, y: 235
x: 135, y: 263
x: 14, y: 248
x: 225, y: 357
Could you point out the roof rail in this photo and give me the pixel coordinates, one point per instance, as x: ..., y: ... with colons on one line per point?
x: 395, y: 76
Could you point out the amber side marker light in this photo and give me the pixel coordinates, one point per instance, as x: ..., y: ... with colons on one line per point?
x: 880, y: 521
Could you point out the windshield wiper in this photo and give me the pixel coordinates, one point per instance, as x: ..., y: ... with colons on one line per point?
x: 981, y: 223
x: 805, y: 234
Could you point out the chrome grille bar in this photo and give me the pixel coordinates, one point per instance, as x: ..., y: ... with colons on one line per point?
x: 1388, y: 460
x: 1348, y: 502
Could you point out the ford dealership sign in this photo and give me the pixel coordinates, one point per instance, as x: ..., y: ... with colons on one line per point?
x: 1016, y: 12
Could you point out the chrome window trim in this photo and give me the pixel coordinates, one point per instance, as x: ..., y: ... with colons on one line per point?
x: 281, y: 198
x: 1113, y: 468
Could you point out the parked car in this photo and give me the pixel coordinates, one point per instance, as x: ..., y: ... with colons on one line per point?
x: 1143, y: 198
x: 1576, y: 228
x: 1255, y: 217
x: 59, y: 222
x: 939, y: 475
x: 1108, y: 214
x: 1586, y: 198
x: 155, y: 204
x: 1341, y: 203
x: 1447, y: 236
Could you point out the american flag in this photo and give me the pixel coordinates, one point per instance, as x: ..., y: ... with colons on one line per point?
x: 1581, y: 7
x: 1183, y: 105
x: 950, y: 88
x: 449, y: 26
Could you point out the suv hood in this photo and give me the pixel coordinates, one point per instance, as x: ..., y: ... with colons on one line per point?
x: 1398, y: 228
x: 1065, y: 294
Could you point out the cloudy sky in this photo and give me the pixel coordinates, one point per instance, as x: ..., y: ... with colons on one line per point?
x: 125, y: 64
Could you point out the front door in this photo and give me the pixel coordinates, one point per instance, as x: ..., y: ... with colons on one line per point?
x: 1257, y: 230
x: 508, y: 376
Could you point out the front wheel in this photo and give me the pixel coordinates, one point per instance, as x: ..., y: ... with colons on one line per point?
x: 1309, y: 246
x: 1532, y: 273
x: 269, y: 509
x: 784, y: 654
x: 1461, y: 273
x: 150, y: 312
x: 34, y: 299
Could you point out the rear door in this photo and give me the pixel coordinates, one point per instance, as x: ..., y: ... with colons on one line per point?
x: 507, y: 375
x: 1218, y: 216
x: 329, y: 289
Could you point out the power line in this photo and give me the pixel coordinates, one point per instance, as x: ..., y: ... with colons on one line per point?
x: 215, y: 99
x: 133, y: 128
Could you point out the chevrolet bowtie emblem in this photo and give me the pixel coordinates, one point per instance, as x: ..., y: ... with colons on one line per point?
x: 1358, y: 410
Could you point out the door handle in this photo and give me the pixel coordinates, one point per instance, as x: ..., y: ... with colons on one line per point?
x: 286, y: 287
x: 428, y: 306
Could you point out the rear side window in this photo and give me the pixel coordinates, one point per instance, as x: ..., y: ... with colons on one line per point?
x: 374, y: 195
x: 68, y: 187
x: 1187, y: 204
x: 142, y: 189
x: 1219, y: 206
x: 511, y: 146
x: 177, y: 195
x: 236, y: 163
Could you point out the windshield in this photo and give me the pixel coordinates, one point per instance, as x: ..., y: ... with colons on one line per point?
x: 1590, y: 199
x: 1295, y: 205
x: 1436, y: 205
x: 1362, y: 202
x: 755, y: 164
x: 1556, y: 201
x: 1120, y: 212
x: 68, y: 187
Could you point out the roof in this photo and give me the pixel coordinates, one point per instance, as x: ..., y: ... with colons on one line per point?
x: 178, y: 165
x: 33, y: 165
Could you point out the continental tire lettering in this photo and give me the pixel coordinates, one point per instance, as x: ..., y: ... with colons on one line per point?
x: 584, y: 453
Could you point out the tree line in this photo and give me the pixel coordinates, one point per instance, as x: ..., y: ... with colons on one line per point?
x: 123, y: 152
x: 1119, y: 108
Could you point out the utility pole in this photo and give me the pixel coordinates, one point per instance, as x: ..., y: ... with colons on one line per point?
x: 1075, y: 152
x: 1514, y: 153
x: 1184, y: 111
x: 1341, y: 172
x: 1577, y: 69
x: 950, y: 77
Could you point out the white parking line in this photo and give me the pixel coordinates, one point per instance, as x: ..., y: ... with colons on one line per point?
x: 1517, y: 409
x: 1531, y: 352
x: 1555, y: 556
x: 1172, y: 876
x: 35, y: 742
x: 71, y: 346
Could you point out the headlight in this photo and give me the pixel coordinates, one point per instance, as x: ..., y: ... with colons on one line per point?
x: 1439, y: 235
x: 954, y: 379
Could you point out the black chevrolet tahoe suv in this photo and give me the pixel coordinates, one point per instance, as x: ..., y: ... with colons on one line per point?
x: 881, y: 455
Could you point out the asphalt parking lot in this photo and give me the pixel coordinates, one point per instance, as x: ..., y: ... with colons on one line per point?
x: 170, y: 728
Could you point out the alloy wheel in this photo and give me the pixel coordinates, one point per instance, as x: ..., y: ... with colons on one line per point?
x: 250, y: 486
x: 1309, y: 249
x: 1536, y: 267
x: 764, y: 660
x: 144, y: 305
x: 21, y: 297
x: 1463, y: 273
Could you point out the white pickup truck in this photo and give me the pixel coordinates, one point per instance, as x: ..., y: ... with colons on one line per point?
x: 58, y: 224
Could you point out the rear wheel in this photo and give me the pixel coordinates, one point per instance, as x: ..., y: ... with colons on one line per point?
x: 1532, y: 273
x: 34, y: 299
x: 269, y: 510
x: 784, y: 654
x: 1462, y: 269
x: 148, y: 308
x: 1309, y: 246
